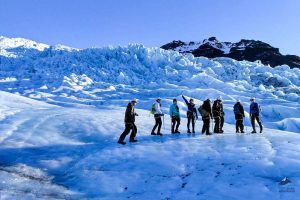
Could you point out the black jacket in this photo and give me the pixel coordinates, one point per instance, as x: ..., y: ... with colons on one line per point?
x: 217, y: 108
x: 205, y: 110
x: 241, y: 113
x: 130, y: 114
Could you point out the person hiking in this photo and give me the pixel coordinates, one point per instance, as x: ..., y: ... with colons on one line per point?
x: 191, y: 114
x: 238, y: 110
x: 129, y: 123
x: 254, y: 115
x: 206, y: 112
x: 156, y: 108
x: 218, y: 114
x: 175, y: 117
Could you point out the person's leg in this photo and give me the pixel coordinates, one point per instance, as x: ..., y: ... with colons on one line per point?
x: 125, y: 132
x: 203, y: 126
x: 156, y: 124
x: 242, y: 125
x: 173, y: 124
x: 193, y: 124
x: 217, y: 125
x: 207, y: 126
x: 237, y: 126
x: 178, y: 123
x: 159, y: 125
x: 221, y: 123
x: 188, y: 124
x: 253, y: 123
x: 133, y: 132
x: 259, y: 123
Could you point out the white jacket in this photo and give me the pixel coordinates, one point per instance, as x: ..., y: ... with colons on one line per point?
x: 157, y: 108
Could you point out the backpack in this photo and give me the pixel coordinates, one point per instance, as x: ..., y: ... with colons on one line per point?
x: 236, y: 109
x: 152, y: 110
x: 203, y: 112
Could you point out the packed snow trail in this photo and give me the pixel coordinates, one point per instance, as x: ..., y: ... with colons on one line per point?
x: 71, y: 153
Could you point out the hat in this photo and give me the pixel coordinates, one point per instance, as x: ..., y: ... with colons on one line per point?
x: 174, y: 99
x: 252, y: 99
x: 158, y: 98
x: 134, y: 100
x: 238, y: 100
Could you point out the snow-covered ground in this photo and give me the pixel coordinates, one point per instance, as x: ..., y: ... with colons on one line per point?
x: 62, y: 111
x: 53, y: 152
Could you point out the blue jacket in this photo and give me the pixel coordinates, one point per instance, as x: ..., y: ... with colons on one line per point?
x: 254, y: 109
x: 174, y: 111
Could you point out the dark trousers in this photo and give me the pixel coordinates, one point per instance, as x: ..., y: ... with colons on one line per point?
x: 129, y: 127
x: 158, y: 123
x: 217, y: 125
x: 205, y: 127
x: 221, y: 122
x: 239, y: 125
x: 175, y: 121
x: 191, y: 118
x: 253, y: 118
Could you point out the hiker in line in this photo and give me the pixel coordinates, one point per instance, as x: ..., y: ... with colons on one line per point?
x: 254, y: 115
x: 218, y: 114
x: 156, y: 110
x: 206, y: 113
x: 191, y: 114
x: 175, y: 116
x: 129, y: 123
x: 238, y: 110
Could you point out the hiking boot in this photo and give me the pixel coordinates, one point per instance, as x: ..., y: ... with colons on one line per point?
x: 208, y: 133
x: 188, y: 131
x: 121, y: 142
x: 153, y: 133
x: 242, y: 131
x: 237, y: 131
x: 177, y: 132
x: 132, y: 140
x: 193, y: 131
x: 159, y: 134
x: 253, y: 132
x: 261, y: 130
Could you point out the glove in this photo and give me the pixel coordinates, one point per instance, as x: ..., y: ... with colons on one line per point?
x: 136, y: 114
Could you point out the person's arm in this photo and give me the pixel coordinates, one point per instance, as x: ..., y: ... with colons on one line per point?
x: 186, y: 101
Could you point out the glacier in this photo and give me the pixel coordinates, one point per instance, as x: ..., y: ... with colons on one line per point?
x: 62, y: 109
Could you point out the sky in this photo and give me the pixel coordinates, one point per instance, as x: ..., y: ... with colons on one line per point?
x: 97, y: 23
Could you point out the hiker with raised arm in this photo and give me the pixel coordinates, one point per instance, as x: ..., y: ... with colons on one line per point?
x: 191, y: 114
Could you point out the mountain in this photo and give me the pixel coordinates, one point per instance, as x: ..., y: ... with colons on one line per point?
x: 250, y: 50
